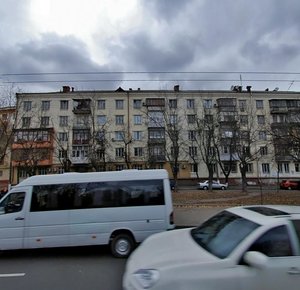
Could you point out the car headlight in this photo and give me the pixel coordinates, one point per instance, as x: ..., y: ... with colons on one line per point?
x: 146, y: 277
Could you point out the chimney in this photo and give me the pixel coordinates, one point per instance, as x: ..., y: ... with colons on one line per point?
x: 66, y: 89
x: 248, y: 89
x: 176, y: 88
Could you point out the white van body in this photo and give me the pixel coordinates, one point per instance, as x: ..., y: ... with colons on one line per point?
x: 119, y: 208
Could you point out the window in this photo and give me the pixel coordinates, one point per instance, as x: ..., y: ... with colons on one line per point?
x: 137, y: 135
x: 101, y: 120
x: 63, y: 121
x: 262, y: 135
x: 242, y: 105
x: 244, y: 120
x: 62, y: 154
x: 156, y: 134
x: 207, y: 104
x: 26, y: 122
x: 173, y: 119
x: 190, y: 103
x: 100, y: 136
x: 193, y: 151
x: 27, y: 106
x: 45, y: 105
x: 208, y: 118
x: 265, y: 168
x: 249, y: 168
x: 120, y: 152
x: 263, y: 150
x: 137, y: 119
x: 80, y: 152
x: 119, y: 135
x: 81, y: 136
x: 138, y: 151
x: 43, y: 170
x: 194, y: 167
x: 137, y: 104
x: 13, y: 202
x: 192, y: 135
x: 101, y: 104
x: 297, y: 167
x: 173, y: 104
x: 97, y: 195
x: 119, y: 119
x: 156, y: 119
x: 274, y: 243
x: 259, y: 104
x: 261, y: 119
x: 283, y: 167
x: 45, y: 121
x: 119, y: 104
x: 191, y: 119
x: 64, y: 105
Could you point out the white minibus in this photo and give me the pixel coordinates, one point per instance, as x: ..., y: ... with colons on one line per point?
x: 119, y: 208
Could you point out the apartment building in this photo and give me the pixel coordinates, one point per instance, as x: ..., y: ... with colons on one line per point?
x: 7, y: 118
x: 187, y: 132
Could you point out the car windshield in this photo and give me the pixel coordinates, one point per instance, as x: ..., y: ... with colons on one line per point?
x: 222, y: 233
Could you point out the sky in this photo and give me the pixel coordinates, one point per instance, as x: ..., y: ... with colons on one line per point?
x: 149, y: 44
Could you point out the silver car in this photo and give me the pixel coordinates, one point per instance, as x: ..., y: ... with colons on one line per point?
x: 215, y: 185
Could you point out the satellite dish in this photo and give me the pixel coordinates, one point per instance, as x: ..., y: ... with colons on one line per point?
x: 276, y: 89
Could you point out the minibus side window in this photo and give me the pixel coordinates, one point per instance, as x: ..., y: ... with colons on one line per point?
x: 12, y: 203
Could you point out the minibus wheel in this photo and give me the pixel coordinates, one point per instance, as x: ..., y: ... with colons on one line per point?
x: 121, y: 245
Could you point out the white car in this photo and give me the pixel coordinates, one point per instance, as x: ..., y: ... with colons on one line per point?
x: 240, y: 248
x: 215, y: 185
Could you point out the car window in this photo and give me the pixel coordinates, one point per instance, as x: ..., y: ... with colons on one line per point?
x: 222, y: 233
x: 296, y: 224
x: 13, y: 202
x: 274, y: 243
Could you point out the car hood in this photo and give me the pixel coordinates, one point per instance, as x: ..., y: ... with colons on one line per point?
x: 168, y: 249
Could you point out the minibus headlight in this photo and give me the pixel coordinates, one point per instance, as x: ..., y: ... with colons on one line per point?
x: 146, y: 277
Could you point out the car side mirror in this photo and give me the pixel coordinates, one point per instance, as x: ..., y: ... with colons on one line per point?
x: 255, y: 259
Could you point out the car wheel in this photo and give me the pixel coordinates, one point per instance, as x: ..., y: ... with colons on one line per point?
x: 122, y: 245
x: 289, y: 188
x: 223, y: 187
x: 205, y: 187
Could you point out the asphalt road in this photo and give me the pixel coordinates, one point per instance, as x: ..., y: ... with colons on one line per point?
x: 85, y: 268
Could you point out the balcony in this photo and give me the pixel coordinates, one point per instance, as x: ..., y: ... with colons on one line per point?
x: 79, y: 160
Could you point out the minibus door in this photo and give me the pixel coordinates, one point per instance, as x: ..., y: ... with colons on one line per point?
x: 12, y: 220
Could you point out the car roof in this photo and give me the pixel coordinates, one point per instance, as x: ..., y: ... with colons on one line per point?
x: 264, y: 214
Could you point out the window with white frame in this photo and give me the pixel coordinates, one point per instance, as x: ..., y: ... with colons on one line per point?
x: 173, y: 119
x: 137, y: 135
x: 63, y: 121
x: 119, y: 135
x: 45, y: 105
x: 194, y: 167
x: 137, y: 104
x: 190, y: 104
x: 26, y: 122
x: 244, y: 120
x: 45, y: 121
x: 27, y: 106
x: 62, y: 136
x: 262, y: 135
x: 119, y: 104
x: 120, y: 152
x: 259, y: 104
x: 261, y: 120
x: 283, y: 167
x: 263, y: 150
x: 192, y: 135
x: 101, y: 120
x: 137, y: 119
x: 207, y: 104
x: 119, y: 119
x: 297, y: 167
x: 265, y: 168
x: 64, y: 105
x: 249, y: 168
x: 138, y: 151
x: 101, y: 104
x: 173, y: 104
x: 191, y: 119
x: 193, y: 151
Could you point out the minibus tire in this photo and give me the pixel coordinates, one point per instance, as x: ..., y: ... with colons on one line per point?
x: 121, y: 245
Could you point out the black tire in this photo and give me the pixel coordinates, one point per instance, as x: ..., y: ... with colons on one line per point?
x: 121, y: 245
x: 205, y: 187
x: 223, y: 188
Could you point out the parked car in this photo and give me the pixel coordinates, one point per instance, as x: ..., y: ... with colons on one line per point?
x: 248, y: 247
x: 290, y: 184
x: 215, y: 185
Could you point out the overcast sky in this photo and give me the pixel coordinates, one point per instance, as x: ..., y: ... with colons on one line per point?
x: 197, y: 36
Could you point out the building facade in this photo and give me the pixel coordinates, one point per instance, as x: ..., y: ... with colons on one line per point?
x: 190, y: 133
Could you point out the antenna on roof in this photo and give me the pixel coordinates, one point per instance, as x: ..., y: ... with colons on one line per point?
x: 290, y: 85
